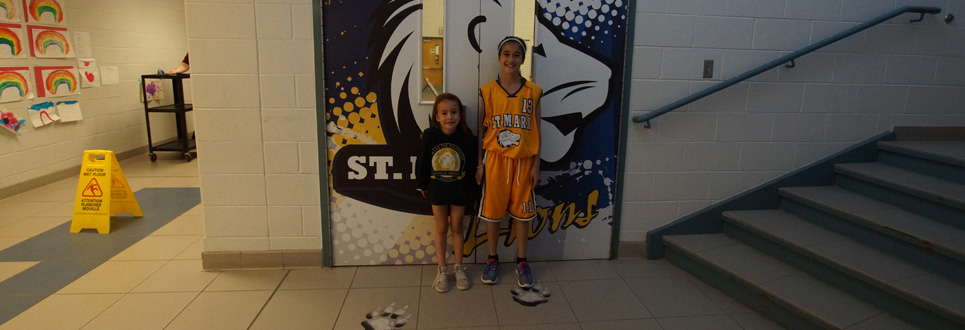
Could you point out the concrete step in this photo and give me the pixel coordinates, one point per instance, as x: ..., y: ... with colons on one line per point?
x: 944, y: 159
x: 928, y: 243
x: 929, y: 196
x: 772, y: 287
x: 908, y: 291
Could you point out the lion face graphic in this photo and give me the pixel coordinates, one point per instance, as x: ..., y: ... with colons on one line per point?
x: 507, y: 138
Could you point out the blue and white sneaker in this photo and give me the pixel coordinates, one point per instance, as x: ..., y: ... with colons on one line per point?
x: 491, y: 273
x: 524, y: 274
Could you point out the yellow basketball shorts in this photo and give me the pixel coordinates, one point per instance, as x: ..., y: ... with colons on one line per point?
x: 507, y: 186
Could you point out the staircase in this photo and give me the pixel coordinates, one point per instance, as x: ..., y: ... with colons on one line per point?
x: 881, y: 248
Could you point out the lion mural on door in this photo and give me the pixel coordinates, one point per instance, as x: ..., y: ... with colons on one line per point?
x: 374, y: 118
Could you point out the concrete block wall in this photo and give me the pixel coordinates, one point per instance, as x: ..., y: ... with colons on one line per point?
x: 892, y: 74
x: 254, y: 82
x: 136, y: 36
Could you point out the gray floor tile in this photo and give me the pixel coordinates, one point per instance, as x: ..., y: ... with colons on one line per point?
x: 577, y: 270
x: 221, y: 310
x: 556, y: 309
x: 301, y: 309
x: 637, y: 268
x: 754, y: 321
x: 637, y: 324
x: 715, y: 322
x: 360, y: 303
x: 673, y: 296
x: 470, y: 308
x: 319, y: 278
x: 725, y: 302
x: 552, y: 326
x: 598, y: 300
x: 387, y: 277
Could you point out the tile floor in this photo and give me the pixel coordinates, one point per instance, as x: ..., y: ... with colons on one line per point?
x: 158, y: 283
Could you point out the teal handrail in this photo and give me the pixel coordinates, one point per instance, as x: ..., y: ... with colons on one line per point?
x: 789, y: 58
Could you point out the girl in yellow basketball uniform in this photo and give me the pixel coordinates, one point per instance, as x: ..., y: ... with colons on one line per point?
x: 509, y: 156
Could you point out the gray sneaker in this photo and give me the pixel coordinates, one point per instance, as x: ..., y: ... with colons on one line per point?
x: 441, y: 284
x: 524, y: 274
x: 491, y: 273
x: 462, y: 281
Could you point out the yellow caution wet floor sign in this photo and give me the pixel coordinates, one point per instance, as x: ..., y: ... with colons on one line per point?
x: 102, y: 192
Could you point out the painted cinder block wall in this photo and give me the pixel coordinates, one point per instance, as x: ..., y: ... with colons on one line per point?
x: 136, y: 36
x: 254, y: 100
x: 892, y: 74
x: 253, y: 74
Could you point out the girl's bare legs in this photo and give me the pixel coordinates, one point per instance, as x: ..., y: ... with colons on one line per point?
x: 456, y: 214
x: 492, y: 236
x: 522, y: 237
x: 441, y: 215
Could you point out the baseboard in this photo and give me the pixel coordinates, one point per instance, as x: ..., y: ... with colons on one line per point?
x: 35, y: 183
x: 280, y: 259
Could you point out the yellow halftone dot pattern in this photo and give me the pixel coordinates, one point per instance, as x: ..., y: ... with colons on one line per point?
x: 354, y: 116
x: 415, y: 245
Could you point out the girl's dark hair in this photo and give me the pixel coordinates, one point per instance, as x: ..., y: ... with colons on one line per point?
x: 462, y: 112
x: 512, y: 39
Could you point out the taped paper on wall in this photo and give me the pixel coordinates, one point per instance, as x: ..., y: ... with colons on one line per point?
x: 69, y: 111
x: 15, y: 84
x: 42, y: 114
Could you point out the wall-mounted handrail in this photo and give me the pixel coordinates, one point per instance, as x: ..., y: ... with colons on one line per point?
x: 789, y: 58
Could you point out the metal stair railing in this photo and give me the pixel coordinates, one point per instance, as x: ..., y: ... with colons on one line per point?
x: 789, y: 58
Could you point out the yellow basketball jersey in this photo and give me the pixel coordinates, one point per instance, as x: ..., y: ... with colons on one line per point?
x: 511, y: 121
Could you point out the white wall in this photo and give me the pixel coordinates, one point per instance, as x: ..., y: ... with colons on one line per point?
x: 253, y: 75
x: 893, y: 74
x: 136, y: 36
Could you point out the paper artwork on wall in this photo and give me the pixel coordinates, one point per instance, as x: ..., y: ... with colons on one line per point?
x: 69, y: 111
x: 109, y: 75
x: 42, y: 114
x: 89, y: 74
x: 10, y: 121
x: 45, y: 12
x: 49, y: 42
x: 56, y: 81
x: 82, y: 44
x: 153, y: 90
x: 11, y: 41
x: 10, y: 11
x: 15, y: 84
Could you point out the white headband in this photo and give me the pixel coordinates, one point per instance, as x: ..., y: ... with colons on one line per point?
x: 520, y: 41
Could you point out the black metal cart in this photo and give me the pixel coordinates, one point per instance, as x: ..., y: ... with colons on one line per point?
x: 184, y: 144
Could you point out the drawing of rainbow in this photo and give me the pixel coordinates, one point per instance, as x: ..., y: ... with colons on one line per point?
x: 10, y: 38
x: 38, y: 7
x: 12, y: 79
x: 47, y: 38
x: 59, y: 77
x: 8, y: 5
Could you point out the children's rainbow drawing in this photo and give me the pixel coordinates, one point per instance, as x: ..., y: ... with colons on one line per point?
x: 13, y: 80
x: 60, y: 77
x: 9, y: 7
x: 50, y: 37
x: 11, y: 122
x: 10, y: 38
x: 38, y: 7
